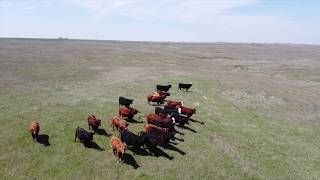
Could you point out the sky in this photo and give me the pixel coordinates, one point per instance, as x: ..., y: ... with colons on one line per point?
x: 260, y: 21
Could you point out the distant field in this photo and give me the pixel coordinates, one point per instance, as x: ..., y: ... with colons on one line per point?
x: 260, y: 104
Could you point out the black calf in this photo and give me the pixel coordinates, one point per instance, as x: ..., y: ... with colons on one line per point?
x: 125, y: 101
x: 184, y: 86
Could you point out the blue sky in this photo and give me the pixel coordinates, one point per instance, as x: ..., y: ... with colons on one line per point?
x: 264, y: 21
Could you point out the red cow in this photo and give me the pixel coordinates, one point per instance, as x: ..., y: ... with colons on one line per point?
x: 119, y: 123
x: 34, y: 129
x: 159, y: 118
x: 127, y: 112
x: 174, y: 104
x: 149, y: 127
x: 118, y: 148
x: 157, y: 97
x: 93, y: 122
x: 187, y: 111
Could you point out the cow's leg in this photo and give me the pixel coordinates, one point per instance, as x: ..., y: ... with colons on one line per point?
x: 33, y: 137
x: 36, y: 137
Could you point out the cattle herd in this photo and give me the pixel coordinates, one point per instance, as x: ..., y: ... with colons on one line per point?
x: 158, y: 130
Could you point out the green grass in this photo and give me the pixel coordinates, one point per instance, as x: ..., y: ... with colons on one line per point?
x: 232, y: 144
x: 60, y: 86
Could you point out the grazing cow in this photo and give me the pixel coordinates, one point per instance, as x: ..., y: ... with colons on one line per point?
x: 159, y: 110
x: 173, y: 104
x: 149, y: 127
x: 171, y: 110
x: 157, y: 97
x: 119, y: 123
x: 163, y: 127
x: 118, y: 148
x: 149, y: 140
x: 93, y: 122
x: 159, y: 118
x: 34, y: 129
x: 131, y: 139
x: 185, y: 86
x: 127, y: 112
x: 163, y: 88
x: 166, y: 111
x: 160, y: 134
x: 187, y: 111
x: 181, y: 119
x: 125, y: 101
x: 83, y: 135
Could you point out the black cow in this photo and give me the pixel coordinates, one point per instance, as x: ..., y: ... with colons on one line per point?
x: 83, y: 135
x: 163, y: 88
x: 185, y: 86
x: 131, y: 139
x: 181, y: 119
x: 167, y: 110
x: 125, y: 101
x: 150, y: 141
x: 170, y: 110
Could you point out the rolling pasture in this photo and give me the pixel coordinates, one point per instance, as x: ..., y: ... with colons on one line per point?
x: 259, y: 105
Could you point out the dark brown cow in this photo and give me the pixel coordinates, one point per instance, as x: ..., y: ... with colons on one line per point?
x: 34, y: 129
x: 157, y: 97
x: 93, y: 122
x: 119, y: 123
x: 187, y: 111
x: 174, y: 104
x: 159, y: 118
x: 127, y: 112
x: 149, y: 127
x: 161, y: 135
x: 118, y: 147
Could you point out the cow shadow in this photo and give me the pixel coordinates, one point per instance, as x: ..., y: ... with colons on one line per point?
x: 179, y: 139
x: 133, y: 120
x: 43, y: 139
x: 193, y: 120
x: 173, y: 148
x: 174, y: 143
x: 178, y: 132
x: 128, y: 159
x: 93, y: 145
x: 102, y: 132
x: 188, y: 128
x: 159, y: 153
x: 139, y: 151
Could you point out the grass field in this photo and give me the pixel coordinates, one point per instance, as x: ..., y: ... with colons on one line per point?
x: 260, y: 105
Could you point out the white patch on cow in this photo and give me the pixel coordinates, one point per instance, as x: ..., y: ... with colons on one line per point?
x: 182, y: 103
x: 173, y: 120
x: 179, y: 110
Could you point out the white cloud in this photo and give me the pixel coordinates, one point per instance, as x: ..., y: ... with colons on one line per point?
x: 174, y: 10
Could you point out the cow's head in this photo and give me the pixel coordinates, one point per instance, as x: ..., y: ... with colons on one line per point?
x: 173, y: 120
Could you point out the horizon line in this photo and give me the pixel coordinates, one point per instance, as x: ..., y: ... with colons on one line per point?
x: 149, y: 41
